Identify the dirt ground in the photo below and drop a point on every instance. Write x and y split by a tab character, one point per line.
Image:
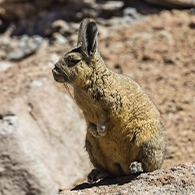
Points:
158	53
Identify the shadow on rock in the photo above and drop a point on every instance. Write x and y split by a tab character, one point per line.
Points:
107	181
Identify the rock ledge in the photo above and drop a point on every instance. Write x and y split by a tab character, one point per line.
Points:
175	180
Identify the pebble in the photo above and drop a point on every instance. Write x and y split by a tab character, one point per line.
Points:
8	124
5	65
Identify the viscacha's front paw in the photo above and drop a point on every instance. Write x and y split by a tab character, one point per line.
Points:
101	129
97	130
96	174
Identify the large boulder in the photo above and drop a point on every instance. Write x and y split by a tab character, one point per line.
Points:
41	135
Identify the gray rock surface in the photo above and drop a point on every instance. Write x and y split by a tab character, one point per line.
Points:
178	180
41	145
17	48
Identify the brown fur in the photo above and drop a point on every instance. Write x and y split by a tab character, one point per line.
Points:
123	125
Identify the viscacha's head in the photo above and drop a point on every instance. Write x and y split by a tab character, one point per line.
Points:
76	66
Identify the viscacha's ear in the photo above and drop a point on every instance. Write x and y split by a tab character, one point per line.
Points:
82	29
88	37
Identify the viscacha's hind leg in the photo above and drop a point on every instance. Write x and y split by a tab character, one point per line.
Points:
152	153
136	167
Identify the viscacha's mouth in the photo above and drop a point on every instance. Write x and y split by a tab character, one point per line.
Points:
59	75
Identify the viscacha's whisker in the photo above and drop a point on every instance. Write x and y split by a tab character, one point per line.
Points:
80	92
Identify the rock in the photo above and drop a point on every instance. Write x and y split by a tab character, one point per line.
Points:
175	180
15	9
59	39
173	3
112	6
8	123
37	17
130	12
25	46
131	15
62	27
17	48
41	145
5	65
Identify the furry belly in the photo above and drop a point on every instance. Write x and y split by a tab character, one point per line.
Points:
111	153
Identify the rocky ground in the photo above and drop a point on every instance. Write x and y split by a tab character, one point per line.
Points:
156	50
176	180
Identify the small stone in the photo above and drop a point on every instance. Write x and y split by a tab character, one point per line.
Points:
4	65
8	124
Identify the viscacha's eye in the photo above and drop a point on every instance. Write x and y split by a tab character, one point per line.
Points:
72	61
75	61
